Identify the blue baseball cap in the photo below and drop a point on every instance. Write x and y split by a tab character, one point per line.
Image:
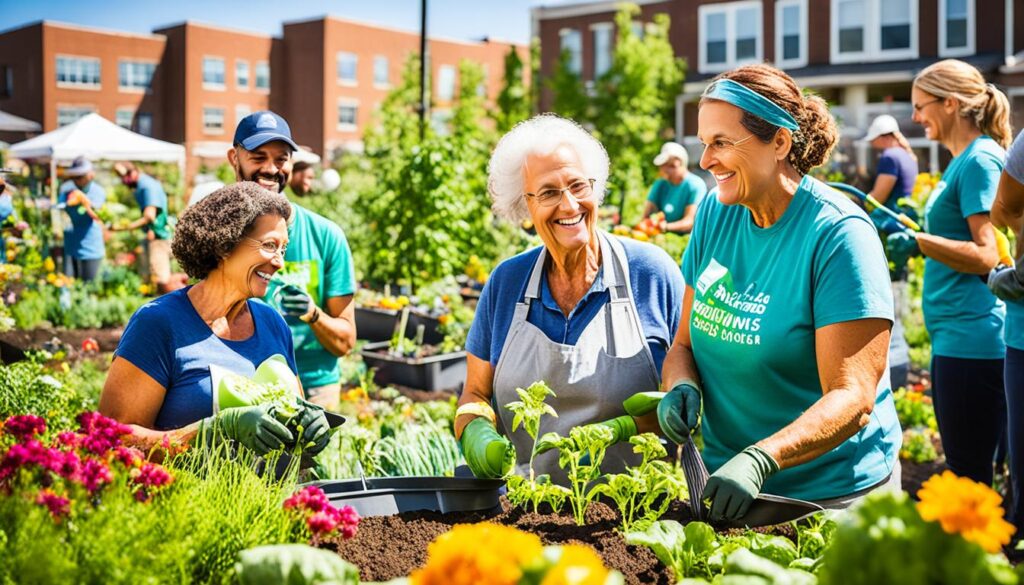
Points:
259	128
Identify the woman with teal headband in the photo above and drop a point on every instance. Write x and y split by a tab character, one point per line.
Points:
788	308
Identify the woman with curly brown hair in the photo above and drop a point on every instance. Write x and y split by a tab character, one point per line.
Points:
787	310
232	242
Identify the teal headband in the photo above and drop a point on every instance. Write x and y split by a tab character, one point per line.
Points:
752	102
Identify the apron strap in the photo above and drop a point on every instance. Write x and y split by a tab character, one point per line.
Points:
533	287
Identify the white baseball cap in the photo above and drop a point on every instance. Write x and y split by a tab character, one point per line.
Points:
671	150
880	126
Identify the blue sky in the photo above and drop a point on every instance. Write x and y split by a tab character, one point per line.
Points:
460	19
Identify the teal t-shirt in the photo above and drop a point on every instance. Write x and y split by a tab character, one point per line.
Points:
318	260
83	240
760	294
963	318
1015	310
674	199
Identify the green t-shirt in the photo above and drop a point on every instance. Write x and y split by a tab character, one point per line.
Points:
963	318
760	294
318	260
674	199
150	193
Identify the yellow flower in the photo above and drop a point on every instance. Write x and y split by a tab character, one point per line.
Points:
577	565
51	278
478	553
48	265
965	507
357	394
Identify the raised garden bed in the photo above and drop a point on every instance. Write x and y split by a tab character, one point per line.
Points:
431	372
373	324
14	344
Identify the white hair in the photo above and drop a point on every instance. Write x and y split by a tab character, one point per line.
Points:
539	135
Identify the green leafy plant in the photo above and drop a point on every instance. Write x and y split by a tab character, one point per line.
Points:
915	409
683	549
524	492
581	454
918	445
528	411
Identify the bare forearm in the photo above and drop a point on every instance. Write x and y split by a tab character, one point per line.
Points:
962	256
649	208
679	366
150	441
336	334
469	396
683	226
834	418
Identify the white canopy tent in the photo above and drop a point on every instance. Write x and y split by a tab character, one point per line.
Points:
12	123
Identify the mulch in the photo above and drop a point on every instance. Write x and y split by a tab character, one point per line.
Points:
14	344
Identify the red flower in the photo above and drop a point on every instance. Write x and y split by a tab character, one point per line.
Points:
59	506
24	426
90	345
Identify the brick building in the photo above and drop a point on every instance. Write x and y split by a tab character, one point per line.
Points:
860	55
190	83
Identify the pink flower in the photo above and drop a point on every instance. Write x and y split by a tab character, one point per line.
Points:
101	433
64	463
321	517
130	457
94	475
25	426
68	439
59	506
309	498
26	454
153	475
321	523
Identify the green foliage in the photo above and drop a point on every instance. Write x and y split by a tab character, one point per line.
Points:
569	97
915	409
525	492
684	550
513	103
918	445
581	454
28	387
528	411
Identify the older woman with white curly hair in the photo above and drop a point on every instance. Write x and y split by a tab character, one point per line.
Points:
588	313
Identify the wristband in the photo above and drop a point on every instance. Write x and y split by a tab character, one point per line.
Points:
477	408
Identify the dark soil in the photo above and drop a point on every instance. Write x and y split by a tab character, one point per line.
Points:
388	547
13	344
915	474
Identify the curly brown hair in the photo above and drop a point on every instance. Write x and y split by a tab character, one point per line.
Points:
211	229
817	136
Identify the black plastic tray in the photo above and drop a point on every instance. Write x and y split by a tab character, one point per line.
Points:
437	372
379	325
385	496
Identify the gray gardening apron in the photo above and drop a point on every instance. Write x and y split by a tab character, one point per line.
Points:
610	362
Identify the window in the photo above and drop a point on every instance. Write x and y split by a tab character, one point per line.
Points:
6	81
730	35
135	75
78	72
381	77
572	41
348	111
603	47
144	123
637	28
241	111
124	117
440	121
347	65
263	75
213	73
69	114
956	28
791	33
874	30
445	83
242	74
213	120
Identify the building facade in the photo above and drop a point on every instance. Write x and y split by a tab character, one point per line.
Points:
860	55
190	83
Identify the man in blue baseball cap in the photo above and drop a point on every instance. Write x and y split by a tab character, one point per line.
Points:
314	289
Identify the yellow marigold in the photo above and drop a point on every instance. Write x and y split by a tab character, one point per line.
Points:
48	265
965	507
470	554
577	565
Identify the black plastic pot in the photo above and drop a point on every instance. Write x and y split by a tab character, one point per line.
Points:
375	324
431	335
433	373
384	496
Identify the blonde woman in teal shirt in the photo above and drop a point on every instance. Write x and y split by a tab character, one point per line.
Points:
964	320
786	314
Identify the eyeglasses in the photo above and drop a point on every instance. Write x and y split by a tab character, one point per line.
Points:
580	189
270	247
919	107
719	145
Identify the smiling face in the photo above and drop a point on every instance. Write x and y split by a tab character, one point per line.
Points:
743	166
673	171
567	225
248	267
936	115
268	165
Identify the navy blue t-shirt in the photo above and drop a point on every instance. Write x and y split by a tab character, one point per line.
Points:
657	292
898	162
168	340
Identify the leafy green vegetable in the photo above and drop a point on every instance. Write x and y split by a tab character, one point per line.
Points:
644	493
684	550
581	454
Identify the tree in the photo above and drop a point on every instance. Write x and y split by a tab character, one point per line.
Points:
514	100
569	96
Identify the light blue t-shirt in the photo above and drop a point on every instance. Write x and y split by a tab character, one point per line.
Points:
319	261
7	215
1015	309
657	292
150	193
760	294
674	199
963	318
84	241
168	340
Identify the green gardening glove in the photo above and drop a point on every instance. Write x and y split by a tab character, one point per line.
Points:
488	454
295	302
623	428
315	428
734	486
679	412
900	247
255	427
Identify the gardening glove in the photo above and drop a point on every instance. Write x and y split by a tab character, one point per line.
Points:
295	302
900	247
488	454
315	428
885	223
255	427
1007	283
623	427
679	412
734	486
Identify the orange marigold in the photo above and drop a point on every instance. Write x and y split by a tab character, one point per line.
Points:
478	553
965	507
